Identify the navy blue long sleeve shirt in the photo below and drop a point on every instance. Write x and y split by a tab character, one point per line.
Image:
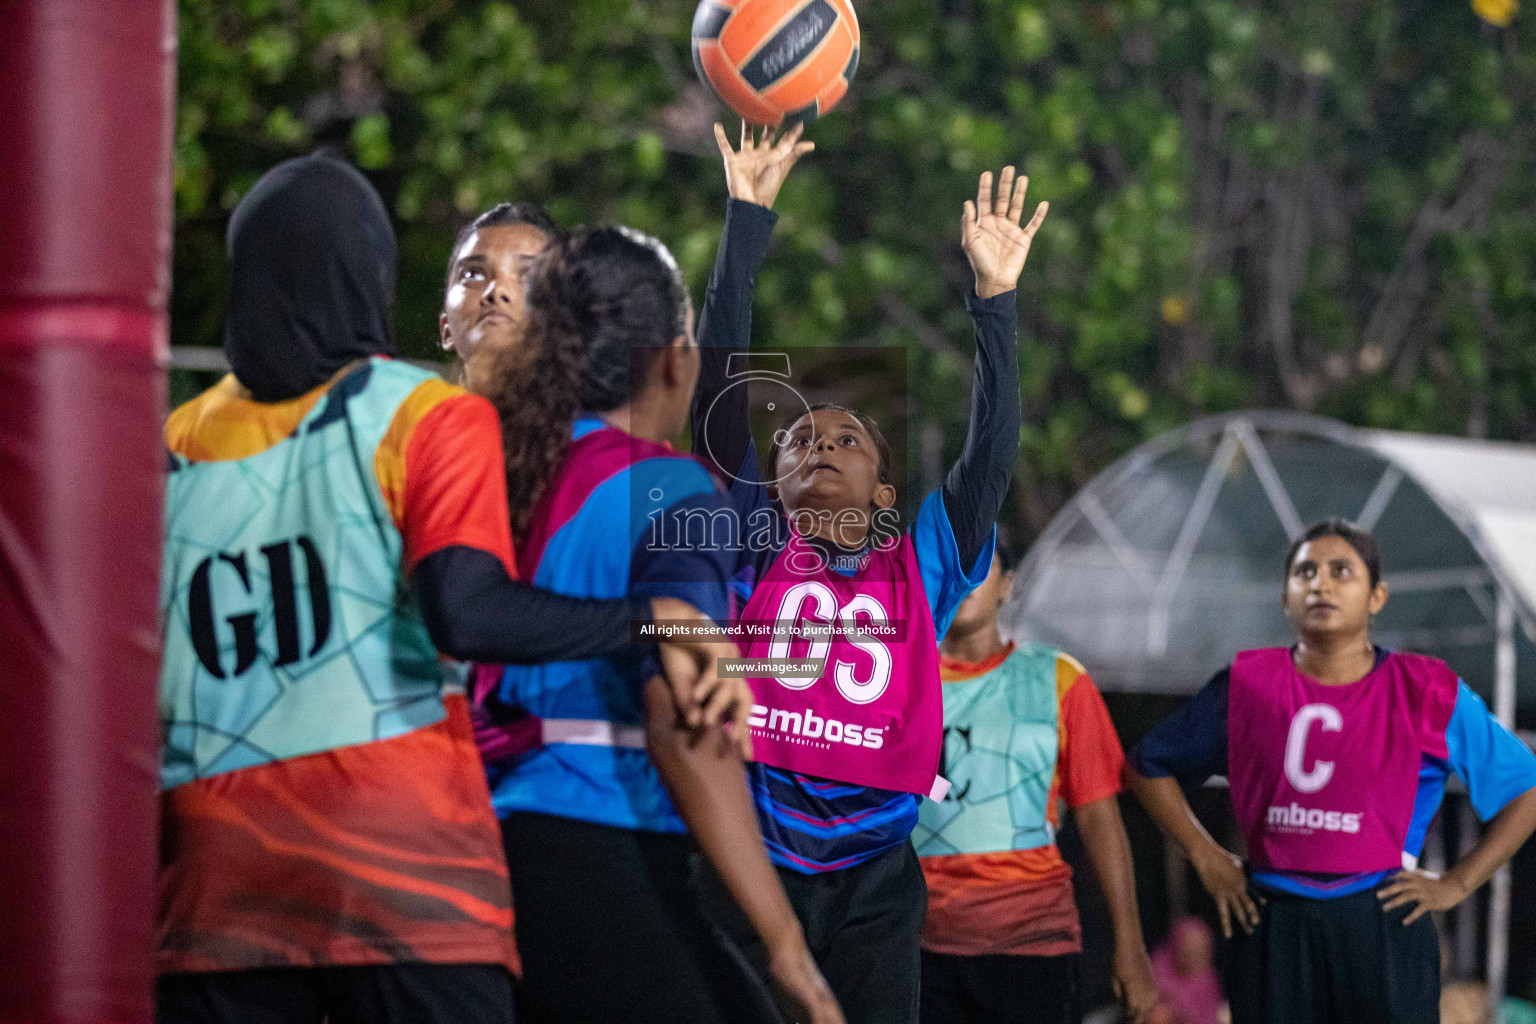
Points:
811	824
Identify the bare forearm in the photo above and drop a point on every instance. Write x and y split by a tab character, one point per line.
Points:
1508	831
707	781
1164	801
1110	853
1221	872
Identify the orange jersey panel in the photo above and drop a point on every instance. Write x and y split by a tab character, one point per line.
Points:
439	466
389	457
1091	760
441	469
1014	902
385	852
224	423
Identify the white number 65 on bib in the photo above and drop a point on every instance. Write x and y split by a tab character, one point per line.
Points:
858	691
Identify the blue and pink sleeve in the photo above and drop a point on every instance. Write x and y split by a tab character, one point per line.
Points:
1494	763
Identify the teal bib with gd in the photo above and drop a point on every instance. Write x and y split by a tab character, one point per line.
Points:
288	627
1000	747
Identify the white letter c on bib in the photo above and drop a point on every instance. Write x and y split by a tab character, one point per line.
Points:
1296	747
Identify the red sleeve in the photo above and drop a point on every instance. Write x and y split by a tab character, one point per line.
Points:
455	482
1092	758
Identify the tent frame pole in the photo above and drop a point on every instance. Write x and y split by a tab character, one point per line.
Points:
1504	711
1467	833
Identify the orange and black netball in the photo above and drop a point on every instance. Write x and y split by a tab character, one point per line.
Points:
776	61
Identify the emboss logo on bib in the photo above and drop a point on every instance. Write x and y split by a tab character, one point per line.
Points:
1295	818
807	726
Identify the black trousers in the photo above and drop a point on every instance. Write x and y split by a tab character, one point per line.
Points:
1334	961
863	925
610	930
391	994
1002	989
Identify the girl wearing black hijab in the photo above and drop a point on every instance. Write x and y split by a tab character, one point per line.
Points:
336	520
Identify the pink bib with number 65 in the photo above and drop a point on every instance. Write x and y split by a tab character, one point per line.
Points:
874	716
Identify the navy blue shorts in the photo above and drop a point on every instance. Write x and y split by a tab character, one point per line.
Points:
1334	961
862	924
611	932
1002	989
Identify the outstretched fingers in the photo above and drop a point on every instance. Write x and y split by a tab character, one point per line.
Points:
791	147
1004	191
1036	220
723	141
1008	202
1016	202
786	142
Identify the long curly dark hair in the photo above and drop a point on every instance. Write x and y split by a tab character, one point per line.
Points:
601	306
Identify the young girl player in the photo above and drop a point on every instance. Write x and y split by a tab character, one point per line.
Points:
844	758
596	817
1025	733
335	519
1337	752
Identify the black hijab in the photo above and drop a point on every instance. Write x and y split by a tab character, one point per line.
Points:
313	263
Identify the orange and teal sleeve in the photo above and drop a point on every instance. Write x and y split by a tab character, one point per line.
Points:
441	469
1091	758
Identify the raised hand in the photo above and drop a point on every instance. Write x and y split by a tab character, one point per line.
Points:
755	172
994	242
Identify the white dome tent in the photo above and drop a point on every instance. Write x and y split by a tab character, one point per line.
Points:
1169	562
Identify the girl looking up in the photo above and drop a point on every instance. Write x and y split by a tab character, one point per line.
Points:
594	816
1337	752
843	757
334	521
485	300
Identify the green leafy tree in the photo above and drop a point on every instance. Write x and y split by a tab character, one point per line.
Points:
1316	204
